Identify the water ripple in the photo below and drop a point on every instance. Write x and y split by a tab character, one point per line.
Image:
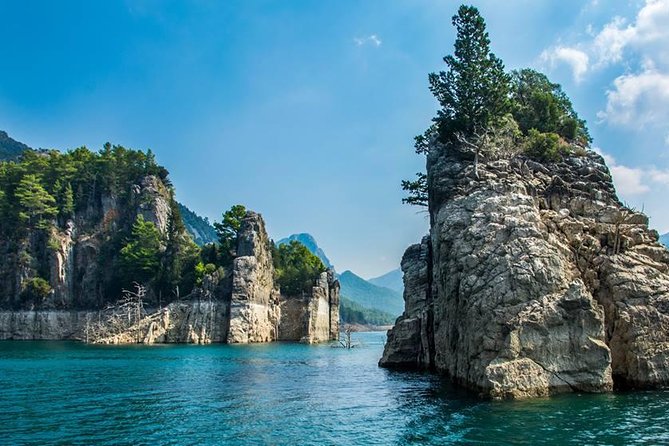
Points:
283	394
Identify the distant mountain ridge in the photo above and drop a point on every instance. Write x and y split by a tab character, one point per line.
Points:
391	279
10	149
310	242
369	295
199	228
380	303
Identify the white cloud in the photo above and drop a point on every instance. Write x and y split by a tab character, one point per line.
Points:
608	45
373	40
575	58
646	37
638	99
634	181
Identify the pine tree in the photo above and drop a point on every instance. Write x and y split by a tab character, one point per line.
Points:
473	93
36	205
140	256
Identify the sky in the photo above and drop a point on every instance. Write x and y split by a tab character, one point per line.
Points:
305	111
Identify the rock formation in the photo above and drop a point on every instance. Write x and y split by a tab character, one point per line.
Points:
243	306
534	280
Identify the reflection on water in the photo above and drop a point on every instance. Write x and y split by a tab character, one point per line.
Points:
283	394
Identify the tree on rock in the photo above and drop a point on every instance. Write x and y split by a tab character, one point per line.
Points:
140	256
474	91
227	231
36	205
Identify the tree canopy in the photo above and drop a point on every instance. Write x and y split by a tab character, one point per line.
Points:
227	231
494	114
296	268
474	91
140	256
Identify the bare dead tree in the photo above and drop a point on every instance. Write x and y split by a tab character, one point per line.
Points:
346	342
120	317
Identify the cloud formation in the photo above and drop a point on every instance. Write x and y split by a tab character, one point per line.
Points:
372	40
575	58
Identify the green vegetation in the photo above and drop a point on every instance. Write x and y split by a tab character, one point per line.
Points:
541	105
474	92
494	114
353	313
296	268
34	204
35	290
545	147
227	231
42	190
140	257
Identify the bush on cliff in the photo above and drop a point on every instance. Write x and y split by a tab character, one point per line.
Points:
542	105
545	147
35	290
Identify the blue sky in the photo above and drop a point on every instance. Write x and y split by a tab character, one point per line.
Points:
306	110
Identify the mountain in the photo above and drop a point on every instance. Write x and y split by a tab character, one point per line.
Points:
664	239
392	280
353	313
308	241
199	228
10	149
369	295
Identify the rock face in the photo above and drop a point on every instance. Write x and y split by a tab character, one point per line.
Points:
534	280
243	306
314	317
254	305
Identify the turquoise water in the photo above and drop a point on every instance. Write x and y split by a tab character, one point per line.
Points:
283	394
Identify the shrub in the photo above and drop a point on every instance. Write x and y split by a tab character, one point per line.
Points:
545	147
35	290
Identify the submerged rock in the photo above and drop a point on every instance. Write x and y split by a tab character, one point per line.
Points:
534	280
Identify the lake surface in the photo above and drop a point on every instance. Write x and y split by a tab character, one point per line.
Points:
283	394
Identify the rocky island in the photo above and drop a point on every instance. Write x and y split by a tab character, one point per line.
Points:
534	279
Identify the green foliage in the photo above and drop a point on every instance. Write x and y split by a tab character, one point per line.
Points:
296	268
35	290
140	257
44	184
353	313
202	270
227	231
177	274
473	92
542	105
416	190
545	147
35	204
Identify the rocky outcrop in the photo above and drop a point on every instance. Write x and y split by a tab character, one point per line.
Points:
43	325
312	317
254	304
535	280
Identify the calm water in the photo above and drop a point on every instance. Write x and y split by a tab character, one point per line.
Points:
283	394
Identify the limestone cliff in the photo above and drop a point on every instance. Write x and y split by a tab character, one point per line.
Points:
534	280
254	304
242	306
